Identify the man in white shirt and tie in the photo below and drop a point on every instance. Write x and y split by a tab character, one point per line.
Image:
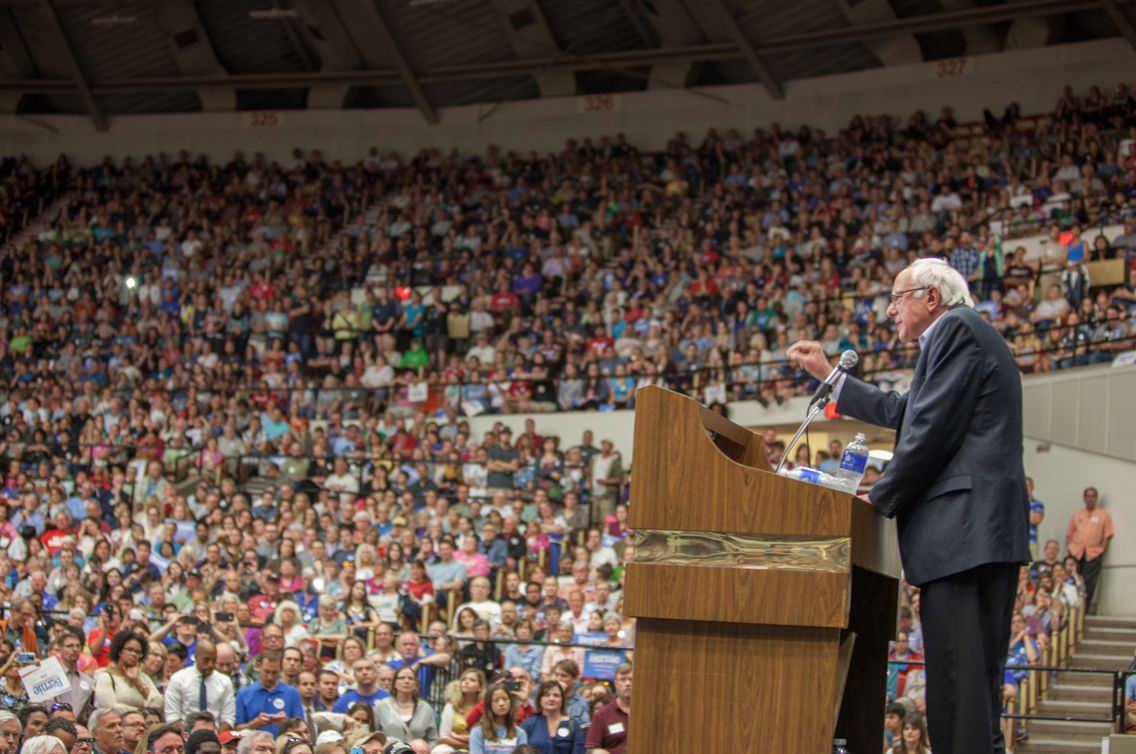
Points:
197	688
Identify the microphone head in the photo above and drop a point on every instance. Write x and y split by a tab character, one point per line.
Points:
849	359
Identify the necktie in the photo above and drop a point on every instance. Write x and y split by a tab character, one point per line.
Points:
202	697
311	723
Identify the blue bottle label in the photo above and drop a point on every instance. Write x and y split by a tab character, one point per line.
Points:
812	476
854	462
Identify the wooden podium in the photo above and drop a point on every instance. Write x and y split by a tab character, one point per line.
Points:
764	605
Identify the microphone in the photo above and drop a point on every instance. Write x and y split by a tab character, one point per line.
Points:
848	359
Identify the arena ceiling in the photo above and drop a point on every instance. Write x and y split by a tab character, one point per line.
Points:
114	57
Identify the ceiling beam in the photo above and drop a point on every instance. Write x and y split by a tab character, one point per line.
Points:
738	35
15	59
439	75
294	40
192	49
637	22
391	41
1121	21
72	63
534	38
918	24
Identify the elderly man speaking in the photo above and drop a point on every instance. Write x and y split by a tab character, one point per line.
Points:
957	489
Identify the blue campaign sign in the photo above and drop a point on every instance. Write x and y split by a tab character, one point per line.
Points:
601	663
590	639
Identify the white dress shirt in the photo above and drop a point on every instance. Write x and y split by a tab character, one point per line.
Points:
184	692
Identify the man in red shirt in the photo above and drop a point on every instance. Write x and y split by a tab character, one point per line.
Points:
608	731
1087	538
53	538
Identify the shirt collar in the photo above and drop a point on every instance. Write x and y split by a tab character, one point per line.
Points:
926	336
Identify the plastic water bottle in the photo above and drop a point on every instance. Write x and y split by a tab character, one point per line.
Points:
839	746
852	464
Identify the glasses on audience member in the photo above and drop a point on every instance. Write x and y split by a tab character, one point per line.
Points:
56	706
88	742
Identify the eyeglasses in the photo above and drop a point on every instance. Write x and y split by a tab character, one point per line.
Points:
132	650
895	297
85	742
55	707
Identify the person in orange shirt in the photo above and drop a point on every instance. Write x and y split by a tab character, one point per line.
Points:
1087	538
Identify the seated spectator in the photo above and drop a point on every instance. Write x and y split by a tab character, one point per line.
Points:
551	730
461	697
498	731
403	715
608	730
366	686
481	654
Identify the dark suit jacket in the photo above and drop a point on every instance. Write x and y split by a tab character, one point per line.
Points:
956	485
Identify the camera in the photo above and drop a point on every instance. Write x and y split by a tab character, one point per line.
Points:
223	617
25	658
512	686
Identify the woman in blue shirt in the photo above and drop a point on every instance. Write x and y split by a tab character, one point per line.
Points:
497	732
551	731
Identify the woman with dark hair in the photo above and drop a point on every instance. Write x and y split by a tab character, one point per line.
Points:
914	739
13	695
123	683
357	611
363	714
550	730
33	719
497	732
403	715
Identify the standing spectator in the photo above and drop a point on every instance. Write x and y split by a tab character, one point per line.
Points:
67	648
122	683
606	472
267	702
504	461
1087	538
1036	516
608	730
199	689
405	715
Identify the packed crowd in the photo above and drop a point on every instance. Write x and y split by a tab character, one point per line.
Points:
237	477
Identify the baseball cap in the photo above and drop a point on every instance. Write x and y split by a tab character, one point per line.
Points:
398	747
229	736
329	737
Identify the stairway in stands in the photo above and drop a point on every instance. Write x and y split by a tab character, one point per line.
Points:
1109	643
42	222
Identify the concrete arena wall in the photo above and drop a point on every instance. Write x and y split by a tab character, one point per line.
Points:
1032	77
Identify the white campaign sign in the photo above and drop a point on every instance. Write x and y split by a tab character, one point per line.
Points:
45	681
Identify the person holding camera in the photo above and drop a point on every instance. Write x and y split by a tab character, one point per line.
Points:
99	640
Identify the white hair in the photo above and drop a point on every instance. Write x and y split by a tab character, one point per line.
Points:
42	745
244	746
931	272
97	716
